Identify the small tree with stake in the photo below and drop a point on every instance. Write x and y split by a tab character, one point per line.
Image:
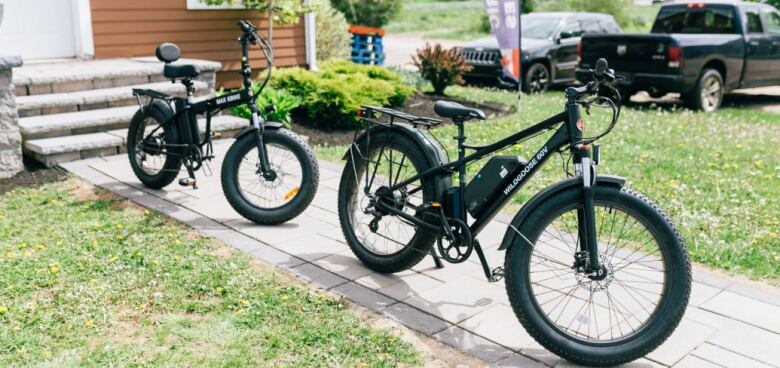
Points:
442	67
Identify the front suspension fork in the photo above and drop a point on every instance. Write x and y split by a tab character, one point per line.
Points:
586	217
262	154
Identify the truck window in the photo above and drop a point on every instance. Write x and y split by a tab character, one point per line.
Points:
773	22
705	19
753	22
590	26
573	28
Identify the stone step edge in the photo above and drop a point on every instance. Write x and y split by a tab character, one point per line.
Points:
132	67
63	122
94	96
111	142
114	138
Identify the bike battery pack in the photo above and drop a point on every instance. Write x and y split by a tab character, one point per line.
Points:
493	176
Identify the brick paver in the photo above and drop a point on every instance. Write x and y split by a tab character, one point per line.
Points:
729	323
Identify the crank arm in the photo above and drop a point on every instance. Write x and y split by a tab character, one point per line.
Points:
417	222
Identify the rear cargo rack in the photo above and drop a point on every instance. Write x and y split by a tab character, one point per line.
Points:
375	114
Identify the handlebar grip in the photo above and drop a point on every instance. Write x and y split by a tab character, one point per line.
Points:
601	68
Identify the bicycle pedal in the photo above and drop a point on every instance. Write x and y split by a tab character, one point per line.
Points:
188	182
216	135
497	274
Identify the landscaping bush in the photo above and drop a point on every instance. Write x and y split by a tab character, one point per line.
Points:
284	102
333	37
442	67
331	98
372	13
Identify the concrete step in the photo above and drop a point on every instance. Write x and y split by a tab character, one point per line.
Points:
52	151
90	121
37	78
57	103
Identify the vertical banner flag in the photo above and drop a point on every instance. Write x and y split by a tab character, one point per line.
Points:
504	17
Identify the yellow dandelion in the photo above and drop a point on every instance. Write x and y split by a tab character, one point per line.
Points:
244	302
54	269
177	242
89	323
285	298
17	328
146	212
213	254
40	247
10	255
218	289
154	261
22	350
3	309
113	259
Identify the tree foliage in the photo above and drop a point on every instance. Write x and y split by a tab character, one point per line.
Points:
372	13
284	11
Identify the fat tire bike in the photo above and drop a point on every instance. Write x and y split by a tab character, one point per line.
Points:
595	272
269	174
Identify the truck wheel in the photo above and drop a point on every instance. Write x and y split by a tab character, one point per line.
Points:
707	95
537	79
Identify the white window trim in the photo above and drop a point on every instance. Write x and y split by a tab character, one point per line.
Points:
197	5
82	29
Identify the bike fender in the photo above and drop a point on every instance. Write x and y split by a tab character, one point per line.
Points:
268	125
434	152
167	113
552	190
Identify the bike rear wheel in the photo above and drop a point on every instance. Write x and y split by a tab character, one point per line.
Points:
154	160
385	242
599	320
264	201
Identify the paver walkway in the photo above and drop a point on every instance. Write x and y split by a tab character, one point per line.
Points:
728	323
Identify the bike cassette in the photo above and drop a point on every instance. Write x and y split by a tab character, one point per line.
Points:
460	242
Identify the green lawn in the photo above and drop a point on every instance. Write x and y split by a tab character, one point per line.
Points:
717	175
87	279
463	20
457	20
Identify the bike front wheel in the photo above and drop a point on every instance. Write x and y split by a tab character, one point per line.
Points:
605	319
264	200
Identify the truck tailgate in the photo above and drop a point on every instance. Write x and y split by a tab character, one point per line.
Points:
627	53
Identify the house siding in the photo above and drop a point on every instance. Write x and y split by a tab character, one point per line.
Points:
135	28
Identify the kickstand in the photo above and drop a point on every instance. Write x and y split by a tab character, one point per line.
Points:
436	259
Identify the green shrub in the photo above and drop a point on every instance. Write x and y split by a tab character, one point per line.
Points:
331	98
333	38
283	101
442	67
372	13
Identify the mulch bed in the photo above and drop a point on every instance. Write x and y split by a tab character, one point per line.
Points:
33	175
419	105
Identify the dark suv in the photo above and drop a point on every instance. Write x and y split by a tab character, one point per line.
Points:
548	48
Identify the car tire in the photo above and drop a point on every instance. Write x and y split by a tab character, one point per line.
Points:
537	78
708	93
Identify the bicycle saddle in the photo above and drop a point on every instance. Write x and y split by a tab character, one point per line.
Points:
168	52
456	111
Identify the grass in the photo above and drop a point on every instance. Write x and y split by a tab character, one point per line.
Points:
717	175
463	20
90	280
456	20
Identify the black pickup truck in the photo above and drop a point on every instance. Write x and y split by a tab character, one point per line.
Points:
698	49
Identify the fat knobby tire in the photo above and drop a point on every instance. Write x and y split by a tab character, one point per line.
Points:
172	164
655	331
421	242
263	216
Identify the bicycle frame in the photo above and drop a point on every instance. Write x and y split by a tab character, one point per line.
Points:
568	134
186	112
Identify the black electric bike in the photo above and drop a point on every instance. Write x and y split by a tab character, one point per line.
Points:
595	272
269	174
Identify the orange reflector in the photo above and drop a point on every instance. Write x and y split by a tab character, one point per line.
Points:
291	193
435	204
